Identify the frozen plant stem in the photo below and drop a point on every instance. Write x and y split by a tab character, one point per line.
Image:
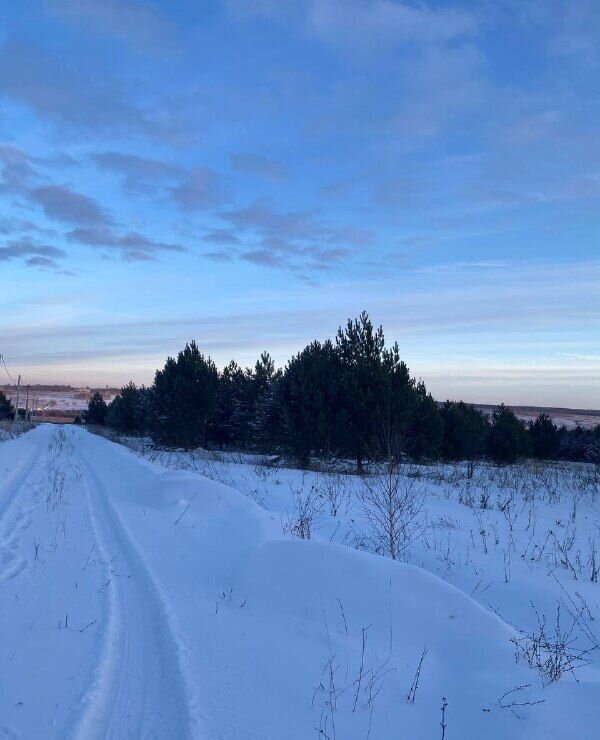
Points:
412	692
180	517
443	720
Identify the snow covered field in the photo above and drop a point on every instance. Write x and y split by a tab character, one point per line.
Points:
141	596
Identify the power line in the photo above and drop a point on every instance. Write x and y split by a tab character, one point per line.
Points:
18	382
4	363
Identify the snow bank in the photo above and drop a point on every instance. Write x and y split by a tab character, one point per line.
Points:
260	617
211	624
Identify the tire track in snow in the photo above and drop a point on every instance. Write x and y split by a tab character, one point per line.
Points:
9	488
11	564
140	691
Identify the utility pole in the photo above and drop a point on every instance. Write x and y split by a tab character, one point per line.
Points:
17	403
27	404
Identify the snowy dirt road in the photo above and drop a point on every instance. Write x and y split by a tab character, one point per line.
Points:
140	691
137	602
117	674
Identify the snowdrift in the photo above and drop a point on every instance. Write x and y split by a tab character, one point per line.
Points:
263	637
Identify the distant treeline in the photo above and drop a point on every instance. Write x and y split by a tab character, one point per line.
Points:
352	397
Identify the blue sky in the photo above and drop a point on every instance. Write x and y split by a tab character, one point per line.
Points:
251	173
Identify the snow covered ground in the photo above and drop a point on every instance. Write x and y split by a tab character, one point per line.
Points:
147	599
11	429
44	398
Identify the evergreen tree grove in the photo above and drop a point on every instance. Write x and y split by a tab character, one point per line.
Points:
352	397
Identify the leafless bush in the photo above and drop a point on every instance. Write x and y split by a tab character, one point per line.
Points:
266	465
466	496
563	541
391	504
483	533
13	429
332	487
510	512
138	445
359	685
211	468
445	522
107	433
559	650
252	488
307	507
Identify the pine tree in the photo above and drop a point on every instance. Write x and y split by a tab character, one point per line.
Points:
143	409
508	439
127	411
96	410
360	349
6	406
184	398
225	428
426	428
264	372
394	409
266	424
544	437
254	385
311	400
465	431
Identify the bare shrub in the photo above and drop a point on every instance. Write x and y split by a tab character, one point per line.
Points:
391	503
558	650
564	539
307	507
352	689
13	429
332	487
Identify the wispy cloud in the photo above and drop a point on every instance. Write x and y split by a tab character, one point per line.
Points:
32	254
133	246
16	169
140	174
65	205
259	165
139	24
300	241
64	94
221	236
200	189
361	22
358	22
